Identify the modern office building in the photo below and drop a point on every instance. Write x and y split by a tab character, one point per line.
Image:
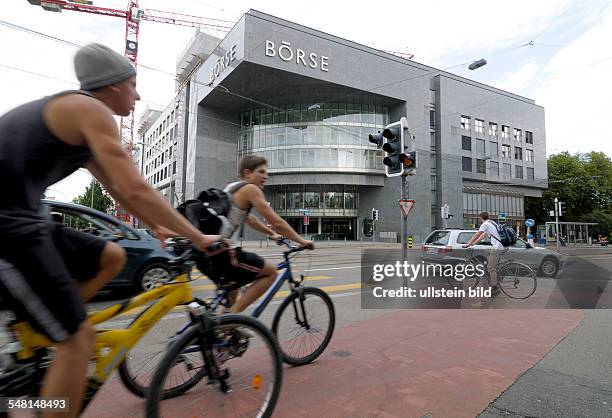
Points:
307	100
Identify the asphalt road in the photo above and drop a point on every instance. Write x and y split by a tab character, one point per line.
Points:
566	374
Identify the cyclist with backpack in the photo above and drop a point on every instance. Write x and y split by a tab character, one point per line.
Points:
230	267
501	237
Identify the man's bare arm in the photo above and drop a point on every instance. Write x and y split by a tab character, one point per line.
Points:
258	200
257	225
102	136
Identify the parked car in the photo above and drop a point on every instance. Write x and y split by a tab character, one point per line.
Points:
146	266
445	246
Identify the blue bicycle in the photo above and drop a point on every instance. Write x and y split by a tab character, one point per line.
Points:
303	325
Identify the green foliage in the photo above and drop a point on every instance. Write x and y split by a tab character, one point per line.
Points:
583	182
101	200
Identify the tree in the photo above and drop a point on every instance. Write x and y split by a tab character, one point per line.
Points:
583	182
101	200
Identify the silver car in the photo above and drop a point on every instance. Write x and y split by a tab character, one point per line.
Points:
445	246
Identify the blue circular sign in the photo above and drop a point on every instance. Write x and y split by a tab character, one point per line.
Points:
529	222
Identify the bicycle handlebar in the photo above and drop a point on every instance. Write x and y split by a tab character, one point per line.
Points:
292	248
183	262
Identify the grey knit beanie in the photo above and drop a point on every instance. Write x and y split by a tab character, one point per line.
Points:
97	66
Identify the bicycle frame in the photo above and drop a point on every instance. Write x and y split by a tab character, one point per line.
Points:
111	346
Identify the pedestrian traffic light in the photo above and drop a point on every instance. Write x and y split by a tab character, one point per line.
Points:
394	146
376	139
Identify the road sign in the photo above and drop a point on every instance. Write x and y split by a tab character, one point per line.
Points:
406	205
529	222
306	220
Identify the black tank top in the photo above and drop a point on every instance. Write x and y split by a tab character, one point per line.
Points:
32	159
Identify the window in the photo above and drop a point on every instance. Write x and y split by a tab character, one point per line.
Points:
518	171
528	155
481	166
494	169
518	153
466	143
466	162
505	151
464	237
432	119
507	170
528	137
517	135
465	122
480	146
529	173
438	238
479	126
493	129
505	131
493	151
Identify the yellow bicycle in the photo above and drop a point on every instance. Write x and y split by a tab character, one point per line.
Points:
218	338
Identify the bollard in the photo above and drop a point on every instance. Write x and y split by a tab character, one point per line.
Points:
345	241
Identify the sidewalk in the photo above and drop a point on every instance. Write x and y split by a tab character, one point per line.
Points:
265	243
411	363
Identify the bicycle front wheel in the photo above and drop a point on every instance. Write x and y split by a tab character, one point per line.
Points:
304	325
517	280
249	362
138	367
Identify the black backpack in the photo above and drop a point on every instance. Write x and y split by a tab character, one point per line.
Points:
209	211
506	234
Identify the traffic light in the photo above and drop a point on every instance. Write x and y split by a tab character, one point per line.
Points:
374	214
409	160
376	139
561	208
393	135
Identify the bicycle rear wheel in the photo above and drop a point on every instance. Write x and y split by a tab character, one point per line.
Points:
304	326
245	351
517	280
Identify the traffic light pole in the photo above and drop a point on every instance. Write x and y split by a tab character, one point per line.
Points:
404	219
558	233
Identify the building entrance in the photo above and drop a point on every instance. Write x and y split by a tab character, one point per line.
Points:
325	228
338	228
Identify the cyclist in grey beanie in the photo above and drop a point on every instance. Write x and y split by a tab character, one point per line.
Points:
97	66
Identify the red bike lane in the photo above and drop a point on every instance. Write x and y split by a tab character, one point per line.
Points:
411	363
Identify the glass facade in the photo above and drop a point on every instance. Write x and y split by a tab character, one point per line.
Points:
474	203
326	196
327	136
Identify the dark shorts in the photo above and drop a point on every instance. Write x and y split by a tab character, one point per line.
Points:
232	268
39	274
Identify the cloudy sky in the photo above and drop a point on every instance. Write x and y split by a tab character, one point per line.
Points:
553	51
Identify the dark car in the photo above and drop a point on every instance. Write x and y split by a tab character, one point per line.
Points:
146	265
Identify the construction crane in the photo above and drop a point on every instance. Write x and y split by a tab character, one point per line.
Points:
133	15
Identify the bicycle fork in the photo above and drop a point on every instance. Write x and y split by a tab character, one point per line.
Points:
200	316
299	305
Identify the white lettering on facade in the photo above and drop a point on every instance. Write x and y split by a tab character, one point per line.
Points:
286	53
223	63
